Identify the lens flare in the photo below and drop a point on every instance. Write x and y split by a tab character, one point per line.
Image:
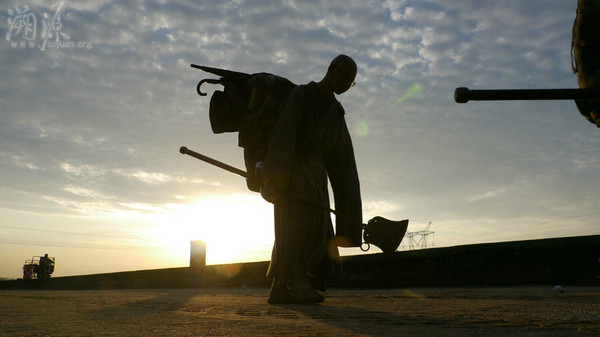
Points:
228	270
412	294
414	90
361	128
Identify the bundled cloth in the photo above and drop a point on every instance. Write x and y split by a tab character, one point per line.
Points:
585	55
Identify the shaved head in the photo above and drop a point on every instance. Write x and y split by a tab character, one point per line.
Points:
346	64
340	75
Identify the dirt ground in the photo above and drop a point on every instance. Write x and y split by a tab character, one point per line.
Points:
510	311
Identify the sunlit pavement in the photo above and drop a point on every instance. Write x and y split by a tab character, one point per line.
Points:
512	311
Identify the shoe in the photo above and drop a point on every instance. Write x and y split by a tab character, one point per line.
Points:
317	283
280	294
306	295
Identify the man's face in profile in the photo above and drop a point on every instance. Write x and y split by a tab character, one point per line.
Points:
343	79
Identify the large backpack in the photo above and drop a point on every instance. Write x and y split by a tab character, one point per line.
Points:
250	104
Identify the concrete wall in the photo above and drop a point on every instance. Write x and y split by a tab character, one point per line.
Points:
574	260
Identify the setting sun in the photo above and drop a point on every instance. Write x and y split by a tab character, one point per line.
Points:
236	228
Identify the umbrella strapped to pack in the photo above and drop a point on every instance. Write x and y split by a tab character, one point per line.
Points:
250	105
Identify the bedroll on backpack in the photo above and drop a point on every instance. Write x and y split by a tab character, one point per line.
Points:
585	55
249	104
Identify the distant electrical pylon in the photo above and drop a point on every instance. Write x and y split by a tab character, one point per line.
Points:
418	239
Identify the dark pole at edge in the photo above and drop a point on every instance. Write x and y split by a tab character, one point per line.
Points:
463	95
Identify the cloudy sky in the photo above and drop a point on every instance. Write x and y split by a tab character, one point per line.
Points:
98	96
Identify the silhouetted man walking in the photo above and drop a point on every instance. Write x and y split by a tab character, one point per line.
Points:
310	144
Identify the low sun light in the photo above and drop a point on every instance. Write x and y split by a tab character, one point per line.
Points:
236	228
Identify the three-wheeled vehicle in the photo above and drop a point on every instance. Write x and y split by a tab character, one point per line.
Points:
40	267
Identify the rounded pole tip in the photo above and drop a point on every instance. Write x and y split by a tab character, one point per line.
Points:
461	95
183	149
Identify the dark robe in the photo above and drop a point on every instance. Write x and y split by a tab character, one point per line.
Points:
310	143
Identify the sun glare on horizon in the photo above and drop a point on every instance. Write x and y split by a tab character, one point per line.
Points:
236	228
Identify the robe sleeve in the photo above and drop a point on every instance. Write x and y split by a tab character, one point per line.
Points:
343	175
277	167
